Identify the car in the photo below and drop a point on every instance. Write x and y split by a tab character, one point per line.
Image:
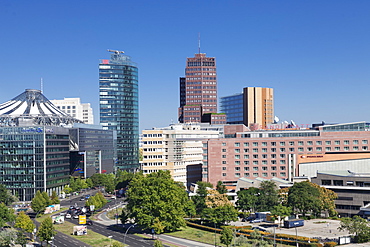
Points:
62	213
75	216
68	216
256	221
259	229
89	222
82	199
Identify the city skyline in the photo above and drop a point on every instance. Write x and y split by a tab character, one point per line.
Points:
314	54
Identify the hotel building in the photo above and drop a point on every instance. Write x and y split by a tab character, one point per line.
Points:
76	109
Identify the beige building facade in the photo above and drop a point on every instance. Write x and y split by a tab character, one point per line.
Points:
76	109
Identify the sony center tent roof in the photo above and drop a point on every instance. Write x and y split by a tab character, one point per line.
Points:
33	108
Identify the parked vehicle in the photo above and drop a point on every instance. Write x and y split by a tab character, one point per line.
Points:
293	223
89	222
257	221
68	216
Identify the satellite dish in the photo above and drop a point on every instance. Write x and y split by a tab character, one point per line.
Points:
276	119
292	123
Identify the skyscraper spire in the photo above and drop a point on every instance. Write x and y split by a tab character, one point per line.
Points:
199	43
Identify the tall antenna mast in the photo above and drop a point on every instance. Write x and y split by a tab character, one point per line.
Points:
42	85
199	43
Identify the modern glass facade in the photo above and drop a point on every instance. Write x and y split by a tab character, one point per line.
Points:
34	158
232	106
118	84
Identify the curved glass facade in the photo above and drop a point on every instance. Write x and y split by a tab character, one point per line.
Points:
118	84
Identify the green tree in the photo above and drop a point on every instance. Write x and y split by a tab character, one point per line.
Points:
46	230
6	214
6	196
24	222
67	189
158	243
8	237
157	195
327	198
38	203
54	198
200	198
221	188
357	226
226	236
89	183
268	197
304	198
123	178
47	201
221	214
281	212
247	199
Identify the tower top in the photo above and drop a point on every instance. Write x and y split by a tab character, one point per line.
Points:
116	51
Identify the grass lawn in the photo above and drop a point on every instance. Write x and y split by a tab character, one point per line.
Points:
197	235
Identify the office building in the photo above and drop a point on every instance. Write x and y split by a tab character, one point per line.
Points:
198	90
285	153
118	86
76	109
34	145
177	148
255	106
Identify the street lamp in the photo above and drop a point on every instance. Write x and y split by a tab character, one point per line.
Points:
124	239
296	236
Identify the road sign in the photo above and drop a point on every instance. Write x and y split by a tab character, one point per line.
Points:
82	219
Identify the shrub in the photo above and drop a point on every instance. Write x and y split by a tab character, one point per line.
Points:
330	244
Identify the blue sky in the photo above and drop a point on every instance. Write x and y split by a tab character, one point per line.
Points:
315	54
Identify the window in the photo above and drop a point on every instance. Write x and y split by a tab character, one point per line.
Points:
291	143
255	168
237	168
224	168
364	141
337	148
282	174
325	182
300	149
319	149
338	182
223	144
273	174
246	150
328	142
346	142
355	142
246	156
318	142
273	149
364	148
264	168
246	162
264	156
273	168
346	148
337	142
282	168
264	150
291	149
237	156
282	162
264	174
237	162
282	149
264	162
246	168
246	174
300	143
224	156
246	144
255	150
255	156
255	174
273	161
224	174
255	162
282	156
255	144
309	149
224	150
264	144
282	143
224	162
273	143
237	144
237	150
355	148
273	156
328	149
309	143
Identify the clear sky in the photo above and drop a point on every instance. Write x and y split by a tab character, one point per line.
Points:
315	54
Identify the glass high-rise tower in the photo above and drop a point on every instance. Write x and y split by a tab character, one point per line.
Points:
119	106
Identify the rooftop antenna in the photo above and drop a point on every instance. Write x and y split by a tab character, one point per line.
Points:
199	43
42	85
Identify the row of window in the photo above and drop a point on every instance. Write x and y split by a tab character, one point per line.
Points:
300	143
256	168
300	149
256	162
256	174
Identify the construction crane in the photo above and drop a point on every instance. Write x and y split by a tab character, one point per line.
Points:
116	51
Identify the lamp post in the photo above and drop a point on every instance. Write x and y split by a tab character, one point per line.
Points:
124	239
215	232
296	236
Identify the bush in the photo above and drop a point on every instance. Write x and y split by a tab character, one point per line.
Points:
330	244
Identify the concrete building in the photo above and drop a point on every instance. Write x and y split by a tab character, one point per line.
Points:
177	148
198	90
254	106
119	106
277	153
76	109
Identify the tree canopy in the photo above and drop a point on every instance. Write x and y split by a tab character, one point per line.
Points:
247	199
357	226
24	222
157	200
268	196
46	230
6	196
6	214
